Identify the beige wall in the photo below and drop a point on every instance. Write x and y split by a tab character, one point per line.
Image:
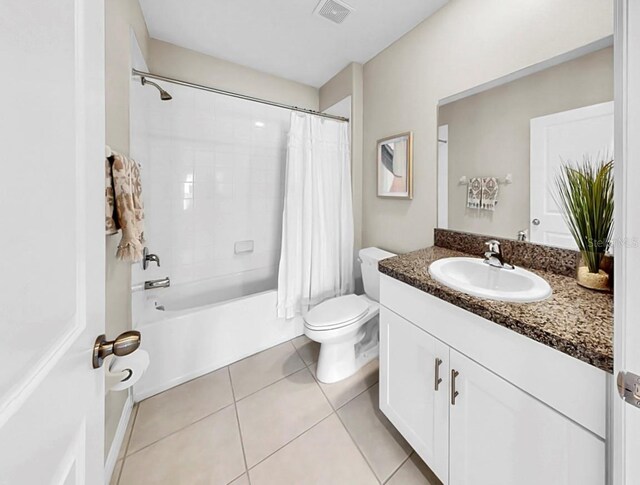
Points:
348	82
121	16
188	65
464	44
489	135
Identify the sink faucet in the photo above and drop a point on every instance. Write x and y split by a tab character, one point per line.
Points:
493	255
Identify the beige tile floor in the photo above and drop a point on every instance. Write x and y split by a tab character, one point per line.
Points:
266	420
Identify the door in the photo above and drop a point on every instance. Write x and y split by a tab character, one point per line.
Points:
410	362
52	246
626	417
566	136
500	435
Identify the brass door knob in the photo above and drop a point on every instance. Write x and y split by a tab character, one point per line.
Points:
124	344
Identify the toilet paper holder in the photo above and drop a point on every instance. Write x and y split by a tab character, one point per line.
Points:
124	344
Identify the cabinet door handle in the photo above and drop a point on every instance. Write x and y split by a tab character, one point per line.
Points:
438	379
454	393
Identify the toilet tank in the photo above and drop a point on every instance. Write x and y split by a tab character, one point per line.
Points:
369	258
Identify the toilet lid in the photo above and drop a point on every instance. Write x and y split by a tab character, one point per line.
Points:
340	310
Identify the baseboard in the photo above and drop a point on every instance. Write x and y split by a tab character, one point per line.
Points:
118	439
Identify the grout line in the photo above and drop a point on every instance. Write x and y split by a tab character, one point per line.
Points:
272	383
292	440
335	411
346	402
358	447
235	406
178	430
399	466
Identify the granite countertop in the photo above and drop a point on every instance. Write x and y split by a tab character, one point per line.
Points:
574	320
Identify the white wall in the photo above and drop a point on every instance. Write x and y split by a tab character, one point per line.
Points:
464	44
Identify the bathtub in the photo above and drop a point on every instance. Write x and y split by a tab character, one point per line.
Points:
195	328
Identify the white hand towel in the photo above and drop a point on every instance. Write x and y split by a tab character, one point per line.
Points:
489	193
474	193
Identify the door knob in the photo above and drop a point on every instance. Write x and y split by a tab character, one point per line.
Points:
535	222
124	344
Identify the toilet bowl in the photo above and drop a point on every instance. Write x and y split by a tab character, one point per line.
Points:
346	327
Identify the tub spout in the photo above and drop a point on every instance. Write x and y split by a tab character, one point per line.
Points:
161	283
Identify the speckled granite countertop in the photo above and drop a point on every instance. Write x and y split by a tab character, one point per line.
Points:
574	320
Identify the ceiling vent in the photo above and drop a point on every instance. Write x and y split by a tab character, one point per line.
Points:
333	10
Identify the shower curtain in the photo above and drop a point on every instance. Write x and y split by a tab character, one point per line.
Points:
316	259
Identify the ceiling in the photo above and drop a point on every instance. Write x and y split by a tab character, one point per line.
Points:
284	37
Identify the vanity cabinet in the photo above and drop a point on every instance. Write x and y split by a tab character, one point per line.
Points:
522	413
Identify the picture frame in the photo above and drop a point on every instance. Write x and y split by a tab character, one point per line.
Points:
395	166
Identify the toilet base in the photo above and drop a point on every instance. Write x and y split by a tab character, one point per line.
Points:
341	359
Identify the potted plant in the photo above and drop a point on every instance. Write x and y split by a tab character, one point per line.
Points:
584	193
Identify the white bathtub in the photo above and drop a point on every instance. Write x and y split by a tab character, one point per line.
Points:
205	326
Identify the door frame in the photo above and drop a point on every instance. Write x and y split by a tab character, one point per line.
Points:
627	241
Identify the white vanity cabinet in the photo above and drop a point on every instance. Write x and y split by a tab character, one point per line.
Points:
524	413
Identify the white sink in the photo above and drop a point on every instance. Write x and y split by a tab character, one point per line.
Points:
476	278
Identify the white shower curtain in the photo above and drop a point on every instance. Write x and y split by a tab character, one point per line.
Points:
316	260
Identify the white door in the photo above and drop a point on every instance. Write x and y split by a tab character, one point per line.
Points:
52	244
501	435
566	136
626	417
410	361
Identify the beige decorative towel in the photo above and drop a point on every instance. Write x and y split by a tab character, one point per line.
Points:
474	193
489	193
124	207
110	225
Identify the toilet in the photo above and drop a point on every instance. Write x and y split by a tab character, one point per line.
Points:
346	327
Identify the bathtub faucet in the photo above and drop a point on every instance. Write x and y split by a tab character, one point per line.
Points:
161	283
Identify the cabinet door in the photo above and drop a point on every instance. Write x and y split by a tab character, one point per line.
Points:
501	435
408	395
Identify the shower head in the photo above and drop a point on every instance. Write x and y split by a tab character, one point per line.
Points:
164	96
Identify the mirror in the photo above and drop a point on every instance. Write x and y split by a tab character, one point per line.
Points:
395	166
500	145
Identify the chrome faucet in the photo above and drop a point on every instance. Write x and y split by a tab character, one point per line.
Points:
148	258
161	283
493	255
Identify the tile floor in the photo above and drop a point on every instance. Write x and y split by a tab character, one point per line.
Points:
266	420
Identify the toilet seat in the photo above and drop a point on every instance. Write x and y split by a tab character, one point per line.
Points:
337	312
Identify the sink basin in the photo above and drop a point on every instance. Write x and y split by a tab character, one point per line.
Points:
476	278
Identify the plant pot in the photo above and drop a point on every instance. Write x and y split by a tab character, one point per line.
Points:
600	281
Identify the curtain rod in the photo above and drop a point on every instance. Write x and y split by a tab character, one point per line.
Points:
143	74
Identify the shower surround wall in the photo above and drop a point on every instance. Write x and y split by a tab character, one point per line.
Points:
213	174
